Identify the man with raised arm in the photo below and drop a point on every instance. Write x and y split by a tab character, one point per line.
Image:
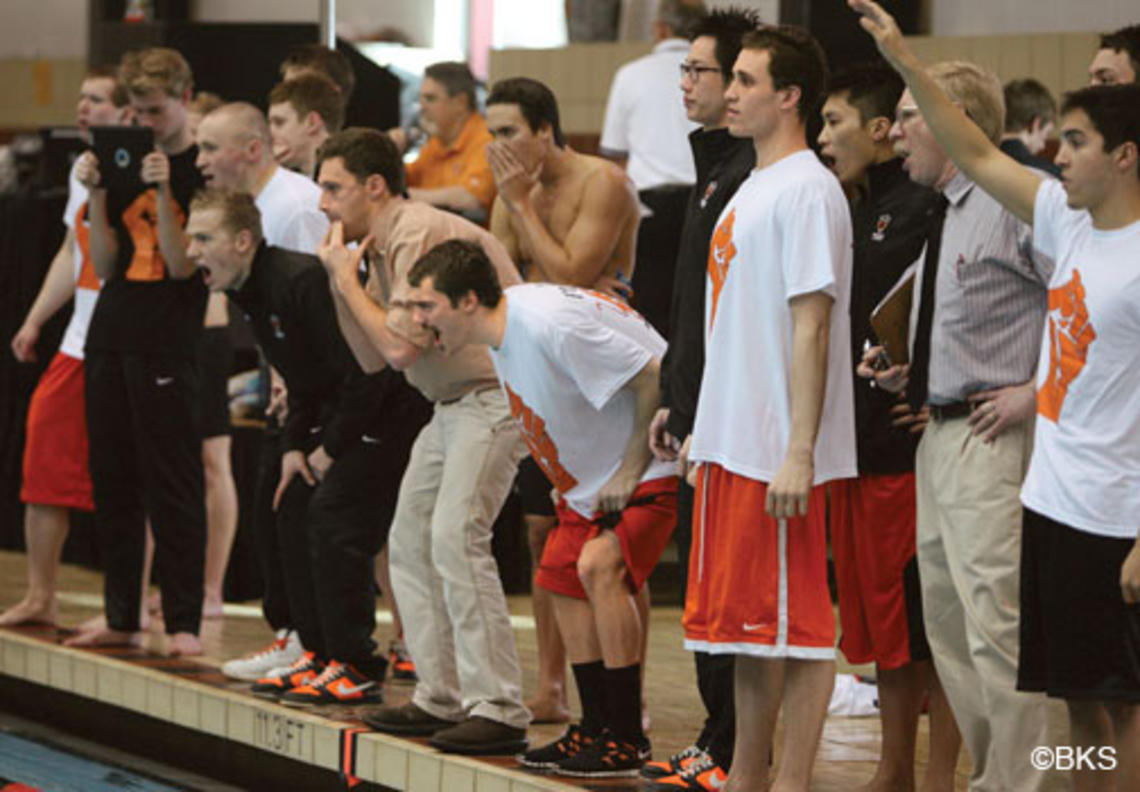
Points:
1080	555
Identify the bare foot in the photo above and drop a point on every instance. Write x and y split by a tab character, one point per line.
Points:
548	709
27	611
105	637
183	644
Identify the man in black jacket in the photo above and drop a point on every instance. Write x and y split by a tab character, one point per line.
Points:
873	516
347	439
723	163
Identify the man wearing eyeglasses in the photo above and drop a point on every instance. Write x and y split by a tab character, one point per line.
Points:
646	128
722	162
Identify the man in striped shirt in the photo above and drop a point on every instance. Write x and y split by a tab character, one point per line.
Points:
980	302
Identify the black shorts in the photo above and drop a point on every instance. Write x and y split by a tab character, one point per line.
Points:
1078	638
215	362
533	488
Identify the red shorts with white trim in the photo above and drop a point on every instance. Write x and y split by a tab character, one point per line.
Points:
757	585
873	546
55	454
643	531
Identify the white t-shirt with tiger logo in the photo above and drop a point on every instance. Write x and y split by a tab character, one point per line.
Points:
786	232
1085	468
564	360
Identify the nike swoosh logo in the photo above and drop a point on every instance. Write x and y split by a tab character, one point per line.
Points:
352	690
753	627
370	439
160	381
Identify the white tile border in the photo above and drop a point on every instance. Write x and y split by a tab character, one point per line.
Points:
302	736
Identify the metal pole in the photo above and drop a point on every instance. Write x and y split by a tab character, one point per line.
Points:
328	23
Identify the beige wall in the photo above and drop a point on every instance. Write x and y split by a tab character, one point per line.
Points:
36	93
989	17
580	74
1059	60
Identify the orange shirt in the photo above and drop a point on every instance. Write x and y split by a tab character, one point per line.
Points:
462	164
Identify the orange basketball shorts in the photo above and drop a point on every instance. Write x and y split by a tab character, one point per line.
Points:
757	585
643	532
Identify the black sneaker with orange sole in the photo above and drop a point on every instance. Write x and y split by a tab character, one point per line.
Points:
607	757
549	756
339	683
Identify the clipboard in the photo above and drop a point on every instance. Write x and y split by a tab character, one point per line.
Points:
890	319
120	150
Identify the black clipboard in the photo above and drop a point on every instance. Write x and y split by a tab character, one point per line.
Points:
120	150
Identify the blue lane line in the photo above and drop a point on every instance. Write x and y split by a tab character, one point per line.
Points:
53	770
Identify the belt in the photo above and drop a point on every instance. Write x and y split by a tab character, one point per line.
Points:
944	412
445	402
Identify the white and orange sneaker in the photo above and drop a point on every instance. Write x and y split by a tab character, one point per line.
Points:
283	652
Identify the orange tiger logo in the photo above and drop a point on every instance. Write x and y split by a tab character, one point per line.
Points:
721	253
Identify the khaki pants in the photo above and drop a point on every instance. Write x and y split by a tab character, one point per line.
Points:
969	557
444	577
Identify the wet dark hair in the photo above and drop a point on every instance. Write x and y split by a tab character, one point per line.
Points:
536	103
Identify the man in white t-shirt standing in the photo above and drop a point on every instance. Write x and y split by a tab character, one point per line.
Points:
580	370
1080	576
775	416
55	475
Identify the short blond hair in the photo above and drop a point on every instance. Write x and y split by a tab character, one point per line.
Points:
978	91
239	212
156	69
205	102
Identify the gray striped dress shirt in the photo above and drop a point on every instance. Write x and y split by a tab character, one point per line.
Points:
990	300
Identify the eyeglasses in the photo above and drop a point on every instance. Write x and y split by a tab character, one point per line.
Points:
694	72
